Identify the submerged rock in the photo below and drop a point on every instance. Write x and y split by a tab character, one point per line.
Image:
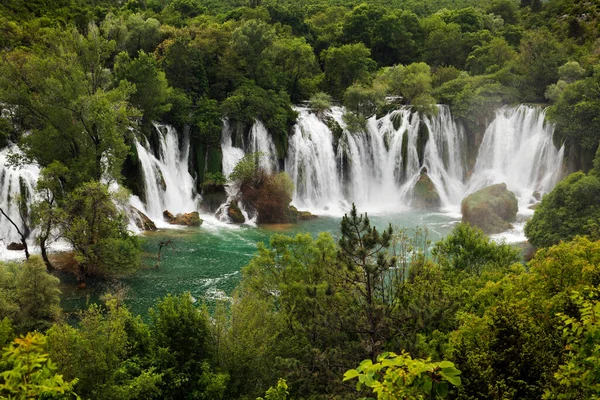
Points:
296	215
16	246
142	221
425	195
492	209
186	219
234	213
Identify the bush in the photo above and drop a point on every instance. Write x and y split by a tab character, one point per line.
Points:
571	209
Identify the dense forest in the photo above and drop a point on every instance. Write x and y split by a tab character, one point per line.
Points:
379	313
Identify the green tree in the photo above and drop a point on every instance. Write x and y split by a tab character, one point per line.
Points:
63	91
110	353
490	57
468	249
182	333
32	373
98	232
571	209
46	212
30	297
346	65
152	90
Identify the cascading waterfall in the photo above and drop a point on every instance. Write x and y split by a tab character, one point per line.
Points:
311	163
15	183
517	149
168	184
377	168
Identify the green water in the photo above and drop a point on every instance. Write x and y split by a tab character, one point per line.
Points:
206	261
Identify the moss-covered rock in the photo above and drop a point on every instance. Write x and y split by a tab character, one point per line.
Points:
425	195
234	213
492	209
186	219
296	215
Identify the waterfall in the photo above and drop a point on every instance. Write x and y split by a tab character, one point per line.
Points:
15	183
517	149
378	167
168	184
311	163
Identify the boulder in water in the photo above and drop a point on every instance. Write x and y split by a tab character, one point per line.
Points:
296	215
142	221
234	213
492	209
425	195
16	246
187	219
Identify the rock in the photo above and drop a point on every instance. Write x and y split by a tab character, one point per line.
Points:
492	209
533	206
142	221
212	198
536	195
296	215
305	216
425	195
186	219
16	246
168	216
234	213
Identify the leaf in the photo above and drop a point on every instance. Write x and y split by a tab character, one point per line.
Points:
442	389
351	374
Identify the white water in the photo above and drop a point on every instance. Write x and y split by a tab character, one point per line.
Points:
11	180
517	149
369	168
167	182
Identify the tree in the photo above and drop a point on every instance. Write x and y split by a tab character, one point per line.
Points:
468	249
365	261
30	296
46	212
183	334
490	57
398	38
184	66
110	353
32	374
296	61
578	376
250	42
571	209
346	65
152	90
98	232
74	116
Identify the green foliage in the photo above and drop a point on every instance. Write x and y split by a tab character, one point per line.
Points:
320	102
412	82
468	249
32	374
279	392
571	209
98	232
29	295
346	65
250	102
574	114
578	377
101	353
363	101
396	376
151	88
